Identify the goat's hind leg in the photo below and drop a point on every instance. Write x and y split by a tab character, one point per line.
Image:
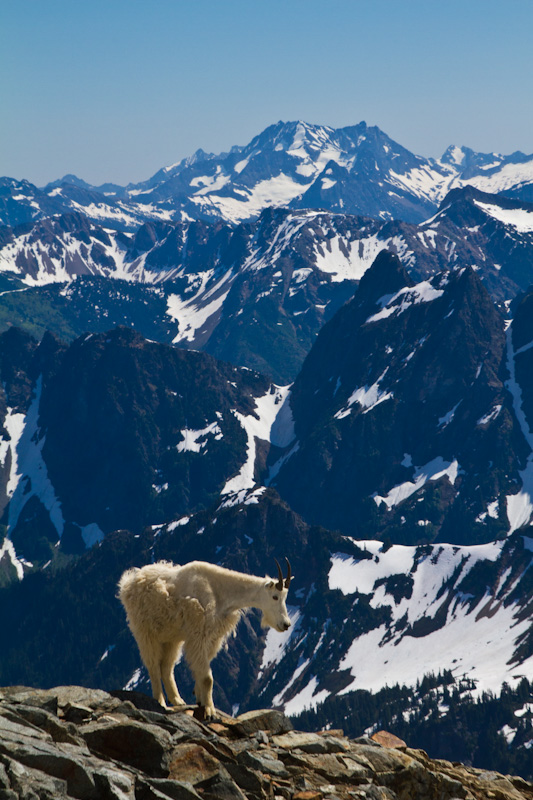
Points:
152	655
171	652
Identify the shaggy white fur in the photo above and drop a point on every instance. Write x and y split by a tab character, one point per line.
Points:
195	607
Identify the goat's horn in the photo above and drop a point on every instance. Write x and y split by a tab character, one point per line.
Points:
289	573
279	585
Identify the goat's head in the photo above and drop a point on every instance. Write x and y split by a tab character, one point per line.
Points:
275	597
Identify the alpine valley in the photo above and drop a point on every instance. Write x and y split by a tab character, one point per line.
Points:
318	346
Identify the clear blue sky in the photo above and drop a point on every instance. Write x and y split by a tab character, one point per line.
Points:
112	90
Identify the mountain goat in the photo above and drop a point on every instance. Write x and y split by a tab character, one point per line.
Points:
196	606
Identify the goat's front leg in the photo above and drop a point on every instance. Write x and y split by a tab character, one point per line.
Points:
203	682
203	689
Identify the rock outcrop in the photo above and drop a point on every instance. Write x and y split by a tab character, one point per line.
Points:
81	743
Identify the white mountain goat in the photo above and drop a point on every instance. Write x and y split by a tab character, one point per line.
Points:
196	606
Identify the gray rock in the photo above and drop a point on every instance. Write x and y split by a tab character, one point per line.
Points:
193	763
41	719
265	762
62	761
25	782
219	788
333	767
262	720
61	697
248	779
365	740
114	784
4	779
14	729
31	697
381	759
177	790
498	783
127	709
415	780
303	784
144	790
216	747
310	743
371	792
128	753
94	699
74	712
189	726
139	700
144	747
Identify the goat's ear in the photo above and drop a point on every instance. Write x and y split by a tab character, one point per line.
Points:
270	583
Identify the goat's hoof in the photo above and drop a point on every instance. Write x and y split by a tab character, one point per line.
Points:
205	713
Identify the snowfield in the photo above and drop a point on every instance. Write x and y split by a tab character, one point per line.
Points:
474	642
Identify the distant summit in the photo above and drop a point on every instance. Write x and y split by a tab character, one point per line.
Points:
357	169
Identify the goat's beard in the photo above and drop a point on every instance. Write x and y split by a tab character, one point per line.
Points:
265	622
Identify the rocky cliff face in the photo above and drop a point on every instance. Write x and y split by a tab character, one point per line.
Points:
70	742
407	374
153	411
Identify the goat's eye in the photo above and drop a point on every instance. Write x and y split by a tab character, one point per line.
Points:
274	597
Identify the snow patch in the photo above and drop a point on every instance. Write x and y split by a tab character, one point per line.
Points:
519	218
423	292
490	416
196	440
461	643
276	642
519	505
432	471
368	398
28	468
271	422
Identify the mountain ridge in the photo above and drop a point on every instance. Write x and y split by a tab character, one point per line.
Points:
255	294
356	169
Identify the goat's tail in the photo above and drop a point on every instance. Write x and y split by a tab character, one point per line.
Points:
126	583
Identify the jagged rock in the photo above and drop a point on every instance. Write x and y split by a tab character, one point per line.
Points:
332	766
76	713
25	782
262	720
44	720
145	747
264	761
248	779
308	795
114	784
192	763
164	788
219	788
36	750
31	697
388	739
123	752
311	743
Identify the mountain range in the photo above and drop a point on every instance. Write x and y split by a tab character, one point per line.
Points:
430	453
353	170
318	346
255	294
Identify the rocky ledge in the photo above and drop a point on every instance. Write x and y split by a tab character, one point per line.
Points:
81	743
